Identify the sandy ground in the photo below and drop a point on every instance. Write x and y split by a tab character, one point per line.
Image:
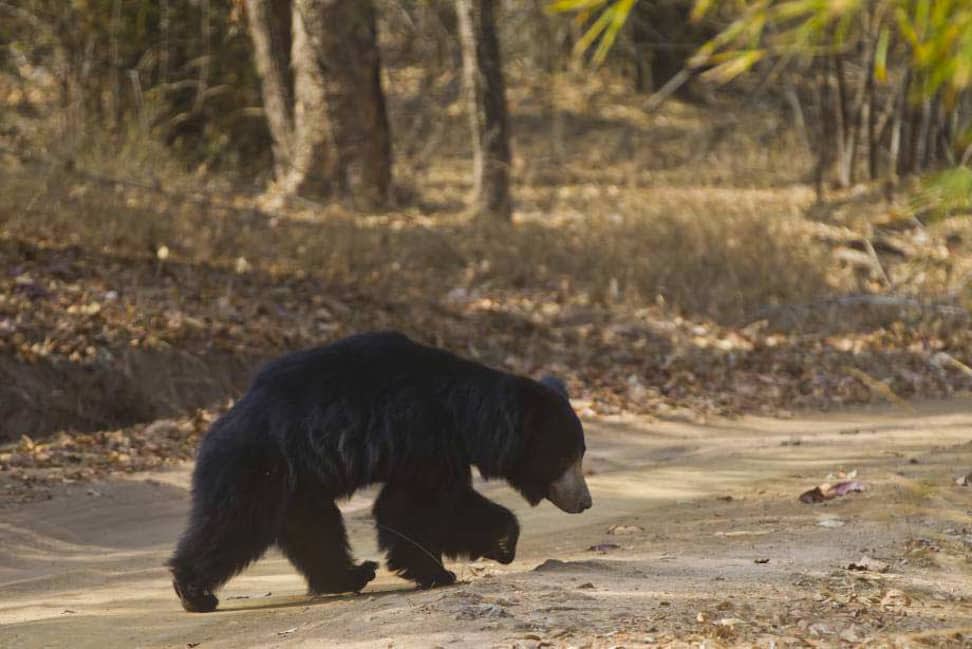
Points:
696	538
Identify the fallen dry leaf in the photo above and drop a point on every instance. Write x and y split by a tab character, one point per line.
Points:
827	491
894	598
729	621
604	547
846	487
869	564
624	530
831	522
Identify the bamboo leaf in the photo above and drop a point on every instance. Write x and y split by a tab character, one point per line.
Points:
700	9
881	55
732	68
573	6
592	34
619	15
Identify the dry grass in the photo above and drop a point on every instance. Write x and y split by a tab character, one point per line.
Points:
613	205
712	258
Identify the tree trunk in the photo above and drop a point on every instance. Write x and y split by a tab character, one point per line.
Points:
842	113
114	73
324	102
486	100
355	101
270	30
826	143
310	173
870	105
900	135
205	61
644	61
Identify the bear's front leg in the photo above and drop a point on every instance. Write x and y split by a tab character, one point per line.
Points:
414	562
351	581
410	532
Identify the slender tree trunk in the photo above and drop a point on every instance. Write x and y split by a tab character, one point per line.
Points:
894	148
857	125
844	126
872	145
114	96
901	134
165	21
913	130
206	60
931	150
921	136
644	58
270	29
870	108
828	137
310	173
486	99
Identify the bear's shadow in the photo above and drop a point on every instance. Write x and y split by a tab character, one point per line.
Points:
235	605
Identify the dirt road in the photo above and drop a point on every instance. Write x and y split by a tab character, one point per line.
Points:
697	536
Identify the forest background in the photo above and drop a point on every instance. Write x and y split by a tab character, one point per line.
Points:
685	208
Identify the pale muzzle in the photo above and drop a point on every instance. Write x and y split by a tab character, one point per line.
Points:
569	492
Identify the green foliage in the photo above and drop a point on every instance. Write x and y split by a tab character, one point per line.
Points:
604	30
935	36
945	194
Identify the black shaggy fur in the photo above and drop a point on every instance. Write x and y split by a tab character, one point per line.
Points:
417	529
374	408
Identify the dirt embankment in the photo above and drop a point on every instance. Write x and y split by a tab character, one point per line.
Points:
137	386
696	535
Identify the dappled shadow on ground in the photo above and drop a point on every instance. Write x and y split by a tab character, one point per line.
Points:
320	601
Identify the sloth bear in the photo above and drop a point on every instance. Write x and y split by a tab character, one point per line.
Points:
317	425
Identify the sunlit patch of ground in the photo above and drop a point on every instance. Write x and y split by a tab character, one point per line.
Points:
697	534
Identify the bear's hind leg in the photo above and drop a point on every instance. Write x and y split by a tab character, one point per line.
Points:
313	538
214	548
235	514
409	531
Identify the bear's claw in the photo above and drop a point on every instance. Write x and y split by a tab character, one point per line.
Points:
195	600
353	581
444	578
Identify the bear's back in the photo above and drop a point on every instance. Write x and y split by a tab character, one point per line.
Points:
373	407
362	364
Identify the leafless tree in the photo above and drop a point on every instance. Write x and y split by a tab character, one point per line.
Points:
486	100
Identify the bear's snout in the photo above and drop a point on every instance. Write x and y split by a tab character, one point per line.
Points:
569	492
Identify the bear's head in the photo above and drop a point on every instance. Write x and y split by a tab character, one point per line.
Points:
550	464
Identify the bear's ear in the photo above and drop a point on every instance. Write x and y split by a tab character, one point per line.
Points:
556	385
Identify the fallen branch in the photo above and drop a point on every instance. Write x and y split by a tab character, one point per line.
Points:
868	300
878	387
944	359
